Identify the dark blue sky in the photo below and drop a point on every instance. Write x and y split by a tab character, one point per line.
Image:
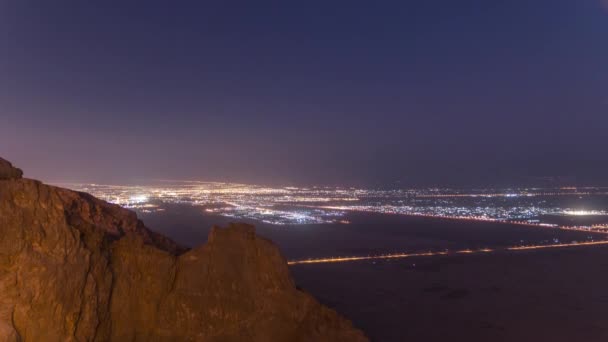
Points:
351	92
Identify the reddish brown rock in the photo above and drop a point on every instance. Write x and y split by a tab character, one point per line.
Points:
75	268
7	171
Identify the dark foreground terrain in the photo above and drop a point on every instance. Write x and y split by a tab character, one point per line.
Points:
367	234
548	295
542	295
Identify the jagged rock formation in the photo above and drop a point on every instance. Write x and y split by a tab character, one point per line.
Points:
75	268
7	171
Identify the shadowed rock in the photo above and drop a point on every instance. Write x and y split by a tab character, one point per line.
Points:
75	268
7	171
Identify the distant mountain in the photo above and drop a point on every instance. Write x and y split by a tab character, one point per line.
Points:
75	268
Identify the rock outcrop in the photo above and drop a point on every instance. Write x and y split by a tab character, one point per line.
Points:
75	268
7	171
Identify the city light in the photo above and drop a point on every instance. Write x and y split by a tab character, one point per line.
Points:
534	207
440	253
584	212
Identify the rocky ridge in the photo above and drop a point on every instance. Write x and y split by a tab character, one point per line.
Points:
75	268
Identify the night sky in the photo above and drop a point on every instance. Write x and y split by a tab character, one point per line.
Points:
330	92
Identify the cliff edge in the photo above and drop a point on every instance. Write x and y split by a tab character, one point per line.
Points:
7	171
75	268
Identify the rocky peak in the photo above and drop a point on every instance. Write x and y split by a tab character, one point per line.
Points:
7	171
75	268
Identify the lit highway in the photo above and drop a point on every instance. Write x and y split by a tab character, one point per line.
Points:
441	253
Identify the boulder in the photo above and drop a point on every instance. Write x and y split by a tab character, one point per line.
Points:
7	171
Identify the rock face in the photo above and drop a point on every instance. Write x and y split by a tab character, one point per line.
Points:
75	268
7	171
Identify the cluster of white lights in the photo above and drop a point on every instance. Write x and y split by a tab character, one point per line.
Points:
319	205
585	212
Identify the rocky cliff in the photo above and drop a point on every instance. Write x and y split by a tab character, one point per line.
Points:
75	268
